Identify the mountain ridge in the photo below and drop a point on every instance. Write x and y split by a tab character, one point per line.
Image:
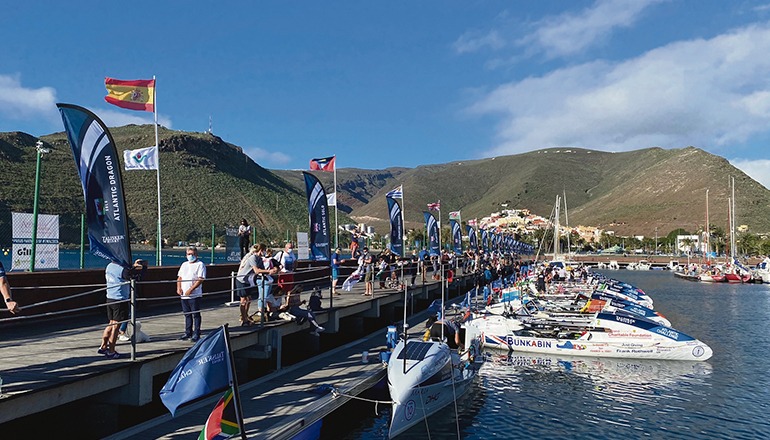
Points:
206	180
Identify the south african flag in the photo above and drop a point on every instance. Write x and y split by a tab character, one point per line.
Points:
222	423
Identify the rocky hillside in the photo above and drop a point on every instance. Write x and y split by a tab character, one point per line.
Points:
206	181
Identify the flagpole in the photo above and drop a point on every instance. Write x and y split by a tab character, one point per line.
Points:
234	384
441	267
336	226
159	256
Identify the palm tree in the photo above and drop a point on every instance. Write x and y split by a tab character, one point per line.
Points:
688	243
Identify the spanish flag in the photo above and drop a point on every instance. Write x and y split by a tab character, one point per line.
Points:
135	95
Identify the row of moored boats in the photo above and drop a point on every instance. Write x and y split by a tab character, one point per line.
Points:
598	317
734	272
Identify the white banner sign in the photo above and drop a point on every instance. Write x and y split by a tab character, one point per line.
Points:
303	246
47	247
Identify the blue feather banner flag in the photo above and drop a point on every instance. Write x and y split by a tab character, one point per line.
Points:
98	165
396	227
457	236
472	238
318	212
431	226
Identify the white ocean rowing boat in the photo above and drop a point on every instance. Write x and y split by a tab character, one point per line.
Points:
617	335
426	376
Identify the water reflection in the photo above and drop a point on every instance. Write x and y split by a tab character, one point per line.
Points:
602	371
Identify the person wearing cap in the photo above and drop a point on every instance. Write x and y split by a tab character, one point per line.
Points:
118	290
336	261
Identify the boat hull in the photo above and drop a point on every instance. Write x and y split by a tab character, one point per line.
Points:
506	334
428	377
423	402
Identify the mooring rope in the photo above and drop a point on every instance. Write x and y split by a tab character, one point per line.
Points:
424	414
336	393
454	395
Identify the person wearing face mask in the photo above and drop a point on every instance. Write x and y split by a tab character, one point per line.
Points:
189	283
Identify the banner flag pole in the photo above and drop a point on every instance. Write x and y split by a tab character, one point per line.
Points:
159	256
234	383
336	196
403	216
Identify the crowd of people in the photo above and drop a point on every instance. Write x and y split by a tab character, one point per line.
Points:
269	279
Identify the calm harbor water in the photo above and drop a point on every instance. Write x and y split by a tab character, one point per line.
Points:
521	396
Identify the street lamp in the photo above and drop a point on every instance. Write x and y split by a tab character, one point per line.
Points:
40	152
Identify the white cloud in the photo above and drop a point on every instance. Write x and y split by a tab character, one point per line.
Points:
474	40
556	36
23	103
758	170
118	118
262	156
701	92
568	33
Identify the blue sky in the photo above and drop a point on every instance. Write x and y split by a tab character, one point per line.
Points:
400	83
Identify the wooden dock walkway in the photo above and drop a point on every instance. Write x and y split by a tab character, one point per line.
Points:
46	367
282	404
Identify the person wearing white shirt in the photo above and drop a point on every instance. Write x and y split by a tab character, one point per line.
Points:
189	287
244	237
286	258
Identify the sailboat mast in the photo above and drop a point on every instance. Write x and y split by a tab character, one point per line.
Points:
566	222
708	228
556	229
732	218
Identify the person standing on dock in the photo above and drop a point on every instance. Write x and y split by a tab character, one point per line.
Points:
336	261
244	237
5	290
189	283
286	261
286	258
368	264
245	283
354	243
118	295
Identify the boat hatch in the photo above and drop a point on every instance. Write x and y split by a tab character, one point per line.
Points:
415	351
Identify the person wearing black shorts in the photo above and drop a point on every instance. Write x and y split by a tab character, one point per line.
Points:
118	295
